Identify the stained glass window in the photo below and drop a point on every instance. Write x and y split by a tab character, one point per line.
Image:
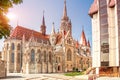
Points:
69	55
32	56
12	57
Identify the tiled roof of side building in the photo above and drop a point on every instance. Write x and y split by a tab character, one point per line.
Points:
112	3
19	31
93	8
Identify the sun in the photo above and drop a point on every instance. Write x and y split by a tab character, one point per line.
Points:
11	15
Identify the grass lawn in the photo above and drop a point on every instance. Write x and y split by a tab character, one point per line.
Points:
74	73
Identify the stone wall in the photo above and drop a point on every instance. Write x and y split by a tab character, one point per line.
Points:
2	69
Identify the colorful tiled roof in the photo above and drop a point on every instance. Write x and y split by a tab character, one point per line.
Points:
59	39
19	31
93	8
77	45
112	3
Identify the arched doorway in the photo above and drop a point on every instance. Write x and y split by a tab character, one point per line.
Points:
59	68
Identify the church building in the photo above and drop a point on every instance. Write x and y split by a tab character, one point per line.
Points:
30	51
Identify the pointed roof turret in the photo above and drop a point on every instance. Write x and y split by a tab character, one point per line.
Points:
77	44
43	20
83	40
43	26
53	29
65	11
88	43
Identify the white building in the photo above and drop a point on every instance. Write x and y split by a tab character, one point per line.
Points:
105	15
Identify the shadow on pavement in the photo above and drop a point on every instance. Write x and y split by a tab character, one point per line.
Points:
9	77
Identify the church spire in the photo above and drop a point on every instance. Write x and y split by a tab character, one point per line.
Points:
88	43
65	11
43	26
53	29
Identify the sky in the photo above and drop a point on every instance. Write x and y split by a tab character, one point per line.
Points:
29	14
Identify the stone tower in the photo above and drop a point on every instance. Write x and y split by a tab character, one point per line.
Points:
53	36
65	21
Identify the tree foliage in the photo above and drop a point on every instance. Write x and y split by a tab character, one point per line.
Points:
4	7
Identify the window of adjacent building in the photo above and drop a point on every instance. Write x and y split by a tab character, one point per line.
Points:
106	63
69	55
102	3
13	46
18	47
32	55
12	57
118	13
104	36
103	10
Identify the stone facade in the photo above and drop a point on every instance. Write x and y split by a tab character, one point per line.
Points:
3	69
29	51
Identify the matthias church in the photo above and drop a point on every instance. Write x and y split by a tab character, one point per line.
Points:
30	51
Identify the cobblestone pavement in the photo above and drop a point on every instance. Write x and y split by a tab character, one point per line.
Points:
19	76
108	78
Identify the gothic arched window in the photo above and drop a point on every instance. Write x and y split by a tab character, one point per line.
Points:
33	55
69	55
13	46
7	46
44	56
18	57
50	57
18	47
39	55
12	57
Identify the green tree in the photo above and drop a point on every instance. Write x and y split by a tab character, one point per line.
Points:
4	7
